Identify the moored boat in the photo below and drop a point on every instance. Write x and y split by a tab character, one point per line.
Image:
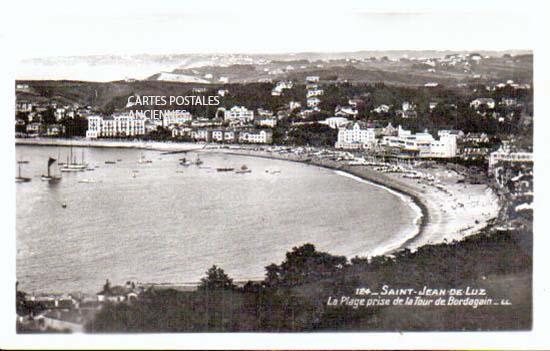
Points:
19	178
184	162
72	165
50	177
244	169
143	160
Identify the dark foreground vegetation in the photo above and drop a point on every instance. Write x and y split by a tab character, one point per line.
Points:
293	296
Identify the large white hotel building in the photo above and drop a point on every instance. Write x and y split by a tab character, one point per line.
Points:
117	125
423	144
357	135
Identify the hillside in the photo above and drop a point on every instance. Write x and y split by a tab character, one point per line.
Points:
117	67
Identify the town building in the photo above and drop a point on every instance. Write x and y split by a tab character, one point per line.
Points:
280	87
505	155
486	102
116	125
202	134
314	92
270	122
355	135
264	113
55	129
382	109
294	105
355	102
313	102
180	131
509	101
388	130
256	136
312	79
346	111
218	135
23	107
59	113
239	113
335	122
422	144
176	117
118	293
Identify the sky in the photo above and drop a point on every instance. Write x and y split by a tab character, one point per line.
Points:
72	28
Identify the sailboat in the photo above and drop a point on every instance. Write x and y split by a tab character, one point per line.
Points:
49	176
72	165
19	178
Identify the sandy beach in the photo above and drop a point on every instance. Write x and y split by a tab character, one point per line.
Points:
450	210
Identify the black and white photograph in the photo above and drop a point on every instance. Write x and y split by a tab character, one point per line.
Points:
353	168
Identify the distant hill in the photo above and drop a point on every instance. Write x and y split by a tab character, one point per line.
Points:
181	81
118	67
404	71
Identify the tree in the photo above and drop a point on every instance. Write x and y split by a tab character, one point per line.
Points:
303	264
216	279
48	116
107	286
22	116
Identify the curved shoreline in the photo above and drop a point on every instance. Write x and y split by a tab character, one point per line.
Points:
387	185
438	214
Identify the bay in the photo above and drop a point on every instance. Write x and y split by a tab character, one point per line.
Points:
161	222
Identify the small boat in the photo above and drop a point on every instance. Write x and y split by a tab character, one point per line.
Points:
73	168
87	180
184	162
225	169
143	160
244	169
110	162
90	169
198	161
19	178
21	161
49	176
119	160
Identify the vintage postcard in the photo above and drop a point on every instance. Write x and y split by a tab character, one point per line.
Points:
287	168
